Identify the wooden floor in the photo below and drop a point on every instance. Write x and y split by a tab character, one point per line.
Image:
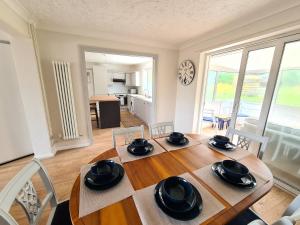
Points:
65	167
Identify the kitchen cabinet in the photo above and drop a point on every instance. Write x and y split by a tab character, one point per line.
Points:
142	109
133	79
129	103
119	76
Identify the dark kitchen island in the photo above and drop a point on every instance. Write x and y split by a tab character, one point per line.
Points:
108	110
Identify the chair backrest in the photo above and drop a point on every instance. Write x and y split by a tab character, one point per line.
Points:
127	133
245	139
21	190
160	129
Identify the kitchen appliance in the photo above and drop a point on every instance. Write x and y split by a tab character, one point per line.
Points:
119	78
123	99
132	91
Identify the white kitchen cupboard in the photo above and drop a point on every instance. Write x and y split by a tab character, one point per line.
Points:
142	109
119	76
133	79
128	79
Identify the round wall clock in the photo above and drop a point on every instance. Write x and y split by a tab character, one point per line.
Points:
186	72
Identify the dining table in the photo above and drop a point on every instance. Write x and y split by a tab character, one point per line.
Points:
151	170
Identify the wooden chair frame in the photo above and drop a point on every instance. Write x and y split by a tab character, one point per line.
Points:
128	133
21	190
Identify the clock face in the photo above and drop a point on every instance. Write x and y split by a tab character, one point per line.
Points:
186	72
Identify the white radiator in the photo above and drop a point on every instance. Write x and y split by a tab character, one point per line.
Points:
65	95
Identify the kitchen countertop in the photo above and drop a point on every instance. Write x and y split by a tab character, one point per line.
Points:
103	98
142	97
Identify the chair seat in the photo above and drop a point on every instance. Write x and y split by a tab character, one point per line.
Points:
209	119
244	218
62	214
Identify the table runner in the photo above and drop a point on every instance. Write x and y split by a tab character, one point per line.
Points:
125	156
236	154
151	214
91	201
228	192
169	147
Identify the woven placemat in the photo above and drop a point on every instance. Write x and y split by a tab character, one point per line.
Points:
91	201
151	214
228	192
125	156
169	147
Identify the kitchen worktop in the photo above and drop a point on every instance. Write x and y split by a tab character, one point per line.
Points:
103	98
142	97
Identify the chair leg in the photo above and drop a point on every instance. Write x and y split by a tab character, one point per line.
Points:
97	118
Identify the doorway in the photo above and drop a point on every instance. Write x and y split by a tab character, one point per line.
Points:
123	77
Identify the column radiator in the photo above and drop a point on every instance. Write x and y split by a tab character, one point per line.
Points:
62	74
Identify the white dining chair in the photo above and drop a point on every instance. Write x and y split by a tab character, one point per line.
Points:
289	217
157	130
22	191
245	139
127	133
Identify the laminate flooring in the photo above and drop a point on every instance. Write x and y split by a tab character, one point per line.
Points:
65	166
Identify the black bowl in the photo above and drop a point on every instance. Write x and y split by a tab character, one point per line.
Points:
180	213
234	169
176	136
221	140
178	193
139	144
103	169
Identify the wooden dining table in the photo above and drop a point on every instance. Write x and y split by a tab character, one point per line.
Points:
148	171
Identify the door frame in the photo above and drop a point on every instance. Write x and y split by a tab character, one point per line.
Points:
277	41
84	83
241	78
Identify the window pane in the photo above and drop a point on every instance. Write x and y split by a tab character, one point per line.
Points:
254	87
220	89
283	125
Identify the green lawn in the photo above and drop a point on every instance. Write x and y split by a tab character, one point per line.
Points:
288	93
289	96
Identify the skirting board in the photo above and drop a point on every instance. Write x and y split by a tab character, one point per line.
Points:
45	156
65	146
285	187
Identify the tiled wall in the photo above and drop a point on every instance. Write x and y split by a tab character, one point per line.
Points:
116	87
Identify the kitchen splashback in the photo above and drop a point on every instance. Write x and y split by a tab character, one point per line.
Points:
117	88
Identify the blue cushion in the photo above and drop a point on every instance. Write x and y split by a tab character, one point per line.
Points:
207	118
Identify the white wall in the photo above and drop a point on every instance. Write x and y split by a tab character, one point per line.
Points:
14	132
32	97
27	117
66	47
100	80
188	98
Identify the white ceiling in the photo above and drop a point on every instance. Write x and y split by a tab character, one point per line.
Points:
115	59
166	21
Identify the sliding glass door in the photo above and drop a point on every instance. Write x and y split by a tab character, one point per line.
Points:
257	90
283	124
221	84
252	88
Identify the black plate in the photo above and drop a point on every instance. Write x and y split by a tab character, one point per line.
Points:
118	173
188	215
184	141
248	181
227	147
147	150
